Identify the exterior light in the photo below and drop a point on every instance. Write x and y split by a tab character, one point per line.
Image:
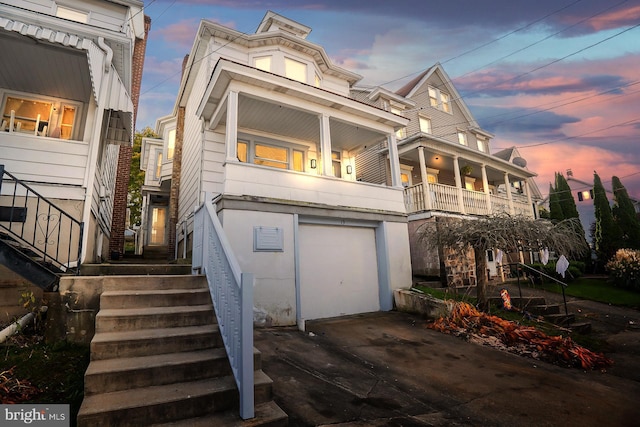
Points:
314	163
349	169
585	195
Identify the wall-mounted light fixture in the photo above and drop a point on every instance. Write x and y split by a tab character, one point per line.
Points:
349	169
314	163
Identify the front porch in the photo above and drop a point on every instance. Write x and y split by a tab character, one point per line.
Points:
445	198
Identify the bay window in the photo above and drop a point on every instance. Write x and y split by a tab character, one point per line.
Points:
39	116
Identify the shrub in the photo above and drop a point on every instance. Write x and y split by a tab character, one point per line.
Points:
575	270
624	268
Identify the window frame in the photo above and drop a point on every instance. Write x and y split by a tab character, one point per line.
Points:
296	61
55	115
425	119
290	148
440	100
462	138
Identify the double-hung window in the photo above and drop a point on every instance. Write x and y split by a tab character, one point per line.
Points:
439	99
462	137
295	70
425	124
271	155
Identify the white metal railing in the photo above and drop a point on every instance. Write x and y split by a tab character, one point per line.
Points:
232	295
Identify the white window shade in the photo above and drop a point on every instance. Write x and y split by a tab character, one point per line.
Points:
295	70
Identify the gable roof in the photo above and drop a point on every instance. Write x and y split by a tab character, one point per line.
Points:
414	86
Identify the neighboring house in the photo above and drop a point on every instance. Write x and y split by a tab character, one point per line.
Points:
156	159
446	164
67	78
267	128
582	193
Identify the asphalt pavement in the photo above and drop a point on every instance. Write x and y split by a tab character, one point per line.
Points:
388	369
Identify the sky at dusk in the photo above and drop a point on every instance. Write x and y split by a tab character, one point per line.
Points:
558	79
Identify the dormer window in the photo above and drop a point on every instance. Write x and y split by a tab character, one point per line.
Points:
482	144
295	70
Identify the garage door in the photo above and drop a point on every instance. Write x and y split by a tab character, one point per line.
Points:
338	271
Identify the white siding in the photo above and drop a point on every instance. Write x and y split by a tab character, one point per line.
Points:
42	159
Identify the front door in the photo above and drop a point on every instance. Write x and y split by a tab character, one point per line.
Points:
158	226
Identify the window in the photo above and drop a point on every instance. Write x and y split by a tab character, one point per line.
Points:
400	133
271	155
171	144
405	175
462	138
267	155
425	124
72	14
66	121
316	80
432	176
336	164
433	97
158	165
439	100
446	102
469	183
39	117
263	63
482	144
295	70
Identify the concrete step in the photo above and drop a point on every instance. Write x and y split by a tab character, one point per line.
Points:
128	269
268	414
129	319
158	282
166	403
146	342
561	319
154	298
580	327
544	309
109	375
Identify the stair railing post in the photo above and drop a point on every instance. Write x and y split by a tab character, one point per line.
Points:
246	332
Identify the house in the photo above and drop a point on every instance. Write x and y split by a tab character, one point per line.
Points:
266	127
69	85
582	193
447	166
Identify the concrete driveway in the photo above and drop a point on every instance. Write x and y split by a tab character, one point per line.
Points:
387	369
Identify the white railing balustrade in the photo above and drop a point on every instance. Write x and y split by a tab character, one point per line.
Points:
232	295
445	198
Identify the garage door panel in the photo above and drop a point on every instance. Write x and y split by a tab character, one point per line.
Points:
338	271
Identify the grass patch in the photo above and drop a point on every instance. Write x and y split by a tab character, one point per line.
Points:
57	370
596	289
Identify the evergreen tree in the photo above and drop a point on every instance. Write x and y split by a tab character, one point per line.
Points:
624	214
565	197
555	209
607	234
136	177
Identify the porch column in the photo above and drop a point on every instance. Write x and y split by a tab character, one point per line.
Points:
394	161
425	181
527	190
485	186
325	145
509	196
456	171
231	134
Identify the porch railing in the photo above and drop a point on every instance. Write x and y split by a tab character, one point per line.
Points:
39	225
232	294
446	198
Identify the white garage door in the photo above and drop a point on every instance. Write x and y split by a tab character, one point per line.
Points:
338	271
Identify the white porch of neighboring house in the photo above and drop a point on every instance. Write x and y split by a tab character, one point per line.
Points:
64	112
279	158
490	186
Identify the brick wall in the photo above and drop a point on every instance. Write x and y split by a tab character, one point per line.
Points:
175	184
118	221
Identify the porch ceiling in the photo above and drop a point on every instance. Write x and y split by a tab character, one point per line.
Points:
21	68
276	119
442	159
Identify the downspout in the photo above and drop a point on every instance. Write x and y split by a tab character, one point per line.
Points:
94	144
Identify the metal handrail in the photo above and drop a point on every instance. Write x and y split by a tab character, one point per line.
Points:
564	285
232	295
41	226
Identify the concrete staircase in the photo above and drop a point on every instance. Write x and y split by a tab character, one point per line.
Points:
157	358
553	313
